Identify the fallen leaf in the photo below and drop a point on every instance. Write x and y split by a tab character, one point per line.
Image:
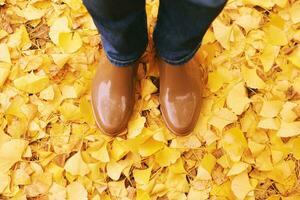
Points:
234	143
271	108
76	191
276	36
70	42
222	33
268	56
142	176
252	79
31	83
289	129
237	99
240	185
167	156
58	26
11	152
5	55
76	166
294	57
237	168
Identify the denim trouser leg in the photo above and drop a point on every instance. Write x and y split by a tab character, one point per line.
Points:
123	28
181	26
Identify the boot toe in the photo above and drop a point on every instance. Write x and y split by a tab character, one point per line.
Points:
180	116
111	117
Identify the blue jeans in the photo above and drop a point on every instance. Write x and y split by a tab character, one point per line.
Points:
180	27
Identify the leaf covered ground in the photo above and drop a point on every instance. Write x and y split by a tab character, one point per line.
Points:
246	144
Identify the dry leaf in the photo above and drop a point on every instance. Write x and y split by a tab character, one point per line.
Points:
11	152
76	166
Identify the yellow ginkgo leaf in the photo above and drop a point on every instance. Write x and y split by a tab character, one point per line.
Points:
70	42
281	3
255	147
32	13
276	36
76	166
268	56
222	33
40	184
101	154
20	38
86	110
70	112
277	20
234	143
76	191
142	176
178	167
237	99
119	149
4	55
263	161
222	190
142	195
167	156
269	123
4	182
135	126
294	12
215	81
4	72
57	192
237	168
74	4
249	21
114	170
206	166
222	118
117	188
150	147
240	185
21	177
287	114
147	87
294	57
289	129
68	91
264	4
252	79
31	83
58	26
10	153
271	108
47	93
60	59
296	147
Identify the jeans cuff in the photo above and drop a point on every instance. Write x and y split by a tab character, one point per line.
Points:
178	61
123	63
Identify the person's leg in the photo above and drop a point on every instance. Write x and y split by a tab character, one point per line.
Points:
180	28
123	28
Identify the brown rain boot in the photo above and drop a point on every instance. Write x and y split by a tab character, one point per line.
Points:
180	95
112	96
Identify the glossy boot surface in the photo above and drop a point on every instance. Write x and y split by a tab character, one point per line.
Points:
112	96
180	95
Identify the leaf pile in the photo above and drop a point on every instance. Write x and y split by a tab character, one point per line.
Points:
246	144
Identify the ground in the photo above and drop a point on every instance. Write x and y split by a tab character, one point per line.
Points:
246	144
